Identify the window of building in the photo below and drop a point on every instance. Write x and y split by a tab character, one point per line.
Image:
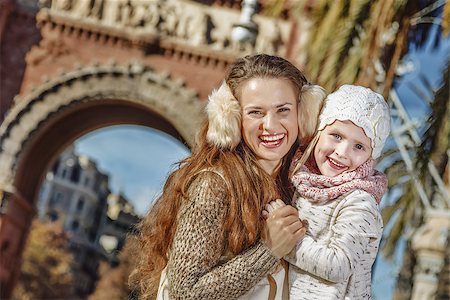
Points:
80	204
55	166
86	181
56	198
53	216
75	225
75	175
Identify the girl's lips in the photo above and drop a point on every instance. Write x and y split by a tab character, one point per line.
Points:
335	164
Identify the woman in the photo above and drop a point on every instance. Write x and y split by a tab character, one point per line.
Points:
206	233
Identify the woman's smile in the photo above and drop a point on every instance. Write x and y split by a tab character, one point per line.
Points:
269	119
272	140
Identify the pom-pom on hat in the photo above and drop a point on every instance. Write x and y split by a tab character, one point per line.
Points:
364	108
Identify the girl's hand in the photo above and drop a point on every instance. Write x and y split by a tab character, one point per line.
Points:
271	207
283	229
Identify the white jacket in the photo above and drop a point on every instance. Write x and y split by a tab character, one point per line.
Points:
334	259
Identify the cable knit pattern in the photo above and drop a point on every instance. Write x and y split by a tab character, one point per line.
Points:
334	259
198	266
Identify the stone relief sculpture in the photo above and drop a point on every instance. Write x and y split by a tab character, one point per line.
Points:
271	40
169	18
145	14
81	8
187	22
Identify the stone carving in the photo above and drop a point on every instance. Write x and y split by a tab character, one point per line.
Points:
183	21
47	48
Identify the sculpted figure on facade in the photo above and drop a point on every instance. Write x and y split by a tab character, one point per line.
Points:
145	13
115	13
186	22
169	19
80	8
269	40
97	9
58	5
192	27
220	34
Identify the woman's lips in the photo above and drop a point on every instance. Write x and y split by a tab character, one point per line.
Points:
272	140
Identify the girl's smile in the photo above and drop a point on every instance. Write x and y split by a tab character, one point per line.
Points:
342	147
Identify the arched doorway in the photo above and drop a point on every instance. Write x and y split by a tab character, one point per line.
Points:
44	122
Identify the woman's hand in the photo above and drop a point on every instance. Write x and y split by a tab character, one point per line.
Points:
283	228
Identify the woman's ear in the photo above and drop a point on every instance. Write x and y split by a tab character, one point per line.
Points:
311	102
224	118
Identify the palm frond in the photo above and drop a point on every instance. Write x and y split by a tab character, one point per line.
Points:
436	140
354	15
322	38
407	204
446	19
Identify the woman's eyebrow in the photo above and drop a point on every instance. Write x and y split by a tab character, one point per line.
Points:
260	107
252	107
280	105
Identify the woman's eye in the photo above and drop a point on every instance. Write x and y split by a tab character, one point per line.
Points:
284	109
336	136
255	112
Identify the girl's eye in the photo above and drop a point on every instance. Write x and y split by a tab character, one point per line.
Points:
336	136
359	147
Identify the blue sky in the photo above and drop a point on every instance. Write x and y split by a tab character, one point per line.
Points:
138	159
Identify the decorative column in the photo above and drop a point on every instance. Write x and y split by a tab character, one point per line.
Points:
430	244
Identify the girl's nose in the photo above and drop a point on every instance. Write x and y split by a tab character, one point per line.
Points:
342	150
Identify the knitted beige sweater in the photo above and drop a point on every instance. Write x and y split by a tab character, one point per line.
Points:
198	266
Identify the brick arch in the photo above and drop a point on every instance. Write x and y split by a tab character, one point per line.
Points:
41	124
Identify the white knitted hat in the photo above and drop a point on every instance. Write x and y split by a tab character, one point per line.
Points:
364	108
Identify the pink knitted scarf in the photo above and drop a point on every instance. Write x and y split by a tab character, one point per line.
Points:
321	189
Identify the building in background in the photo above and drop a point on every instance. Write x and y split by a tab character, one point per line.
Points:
121	219
76	194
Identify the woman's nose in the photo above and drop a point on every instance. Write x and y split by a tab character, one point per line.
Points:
269	122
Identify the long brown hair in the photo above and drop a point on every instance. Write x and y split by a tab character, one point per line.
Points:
249	186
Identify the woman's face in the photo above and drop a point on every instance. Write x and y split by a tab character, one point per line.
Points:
269	119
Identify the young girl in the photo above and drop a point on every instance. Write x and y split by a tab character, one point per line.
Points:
337	193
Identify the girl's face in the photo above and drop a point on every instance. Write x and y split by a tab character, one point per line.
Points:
269	119
342	147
